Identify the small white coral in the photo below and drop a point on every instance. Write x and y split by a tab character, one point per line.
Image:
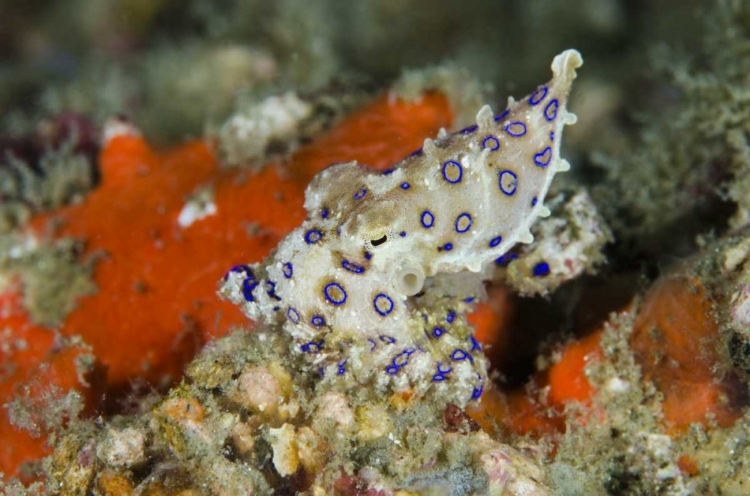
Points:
123	448
199	206
334	407
285	456
246	137
258	389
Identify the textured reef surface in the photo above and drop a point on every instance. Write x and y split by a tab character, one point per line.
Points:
289	248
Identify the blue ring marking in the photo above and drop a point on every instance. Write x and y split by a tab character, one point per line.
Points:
405	185
508	182
502	116
475	345
550	111
533	201
491	143
352	267
388	172
450	317
402	358
515	129
541	269
455	170
312	347
469	130
465	217
248	285
552	136
342	368
459	355
402	234
392	369
469	299
241	269
477	393
386	339
324	213
374	344
438	331
292	315
359	194
416	153
447	247
505	260
496	241
543	158
313	236
378	302
288	270
427	219
332	298
440	376
271	290
536	98
318	320
368	255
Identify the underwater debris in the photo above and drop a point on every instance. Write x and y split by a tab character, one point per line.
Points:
375	284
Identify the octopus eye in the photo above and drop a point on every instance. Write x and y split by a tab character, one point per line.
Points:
379	241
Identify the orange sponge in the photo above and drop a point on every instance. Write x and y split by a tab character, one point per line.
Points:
676	341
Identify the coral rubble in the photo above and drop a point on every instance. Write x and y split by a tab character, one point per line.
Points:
247	420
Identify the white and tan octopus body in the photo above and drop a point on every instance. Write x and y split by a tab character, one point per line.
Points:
374	285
